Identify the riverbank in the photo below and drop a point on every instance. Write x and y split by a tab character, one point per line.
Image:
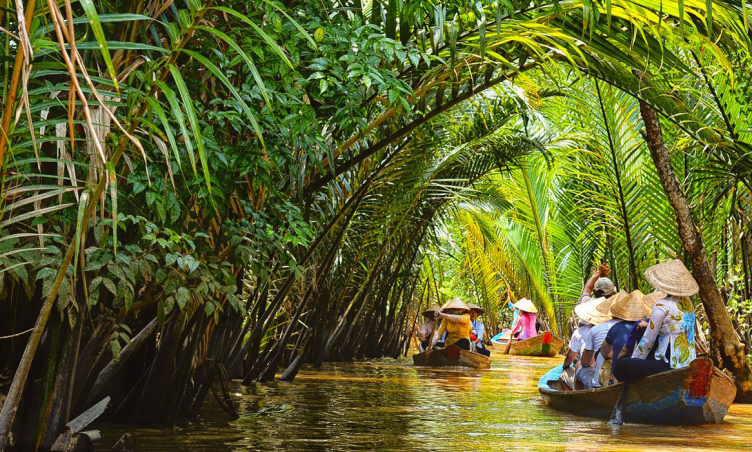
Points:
392	405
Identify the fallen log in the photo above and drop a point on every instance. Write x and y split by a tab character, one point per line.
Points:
74	439
124	444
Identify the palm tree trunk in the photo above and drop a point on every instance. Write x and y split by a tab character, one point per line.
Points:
726	349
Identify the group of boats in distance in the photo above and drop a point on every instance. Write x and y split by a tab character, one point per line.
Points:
697	394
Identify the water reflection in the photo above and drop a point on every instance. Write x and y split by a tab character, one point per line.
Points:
392	405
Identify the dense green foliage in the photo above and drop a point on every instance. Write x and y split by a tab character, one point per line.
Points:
263	180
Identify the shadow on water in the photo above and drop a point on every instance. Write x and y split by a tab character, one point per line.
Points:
392	405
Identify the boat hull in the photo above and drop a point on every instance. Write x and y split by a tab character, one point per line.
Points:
452	356
697	394
546	345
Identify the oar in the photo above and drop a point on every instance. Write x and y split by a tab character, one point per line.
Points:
620	409
509	344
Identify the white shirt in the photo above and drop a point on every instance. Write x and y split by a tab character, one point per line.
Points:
594	340
577	342
672	324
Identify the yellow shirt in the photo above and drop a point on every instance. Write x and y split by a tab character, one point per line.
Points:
456	330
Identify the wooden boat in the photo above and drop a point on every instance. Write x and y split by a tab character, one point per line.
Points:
452	356
545	344
697	394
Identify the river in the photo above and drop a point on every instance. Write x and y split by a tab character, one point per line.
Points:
392	405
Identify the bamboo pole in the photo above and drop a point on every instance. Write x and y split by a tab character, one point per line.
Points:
11	101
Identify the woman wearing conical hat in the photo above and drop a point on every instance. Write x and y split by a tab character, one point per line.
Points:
629	310
428	326
669	339
524	326
455	322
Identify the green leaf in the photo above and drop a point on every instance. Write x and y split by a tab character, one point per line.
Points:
294	23
166	127
178	112
128	298
217	73
115	347
79	229
246	58
96	28
182	297
110	285
193	119
273	45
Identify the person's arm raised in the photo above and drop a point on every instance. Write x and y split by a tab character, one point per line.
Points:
603	270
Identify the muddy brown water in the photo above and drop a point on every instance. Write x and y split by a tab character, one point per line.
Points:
392	405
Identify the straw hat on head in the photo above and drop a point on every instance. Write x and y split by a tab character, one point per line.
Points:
475	307
673	278
455	303
629	308
651	298
605	307
526	305
434	308
587	311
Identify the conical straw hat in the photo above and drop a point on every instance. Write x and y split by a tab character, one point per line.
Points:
455	303
605	307
587	311
526	305
475	307
630	308
651	298
673	278
432	309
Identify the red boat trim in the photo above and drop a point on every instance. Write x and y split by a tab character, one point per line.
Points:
702	371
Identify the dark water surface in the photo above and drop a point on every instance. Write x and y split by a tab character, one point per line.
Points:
392	405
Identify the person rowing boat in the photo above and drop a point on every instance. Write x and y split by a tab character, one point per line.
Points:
428	326
478	329
525	325
455	321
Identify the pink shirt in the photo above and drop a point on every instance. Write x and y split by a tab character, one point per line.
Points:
525	325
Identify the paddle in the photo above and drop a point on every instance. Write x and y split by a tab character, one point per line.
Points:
509	344
620	409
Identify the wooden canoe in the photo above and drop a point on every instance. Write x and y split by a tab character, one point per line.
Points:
697	394
545	344
452	356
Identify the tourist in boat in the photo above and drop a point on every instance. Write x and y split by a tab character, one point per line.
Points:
588	317
428	326
477	331
525	326
669	338
455	322
588	369
615	340
629	310
598	285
